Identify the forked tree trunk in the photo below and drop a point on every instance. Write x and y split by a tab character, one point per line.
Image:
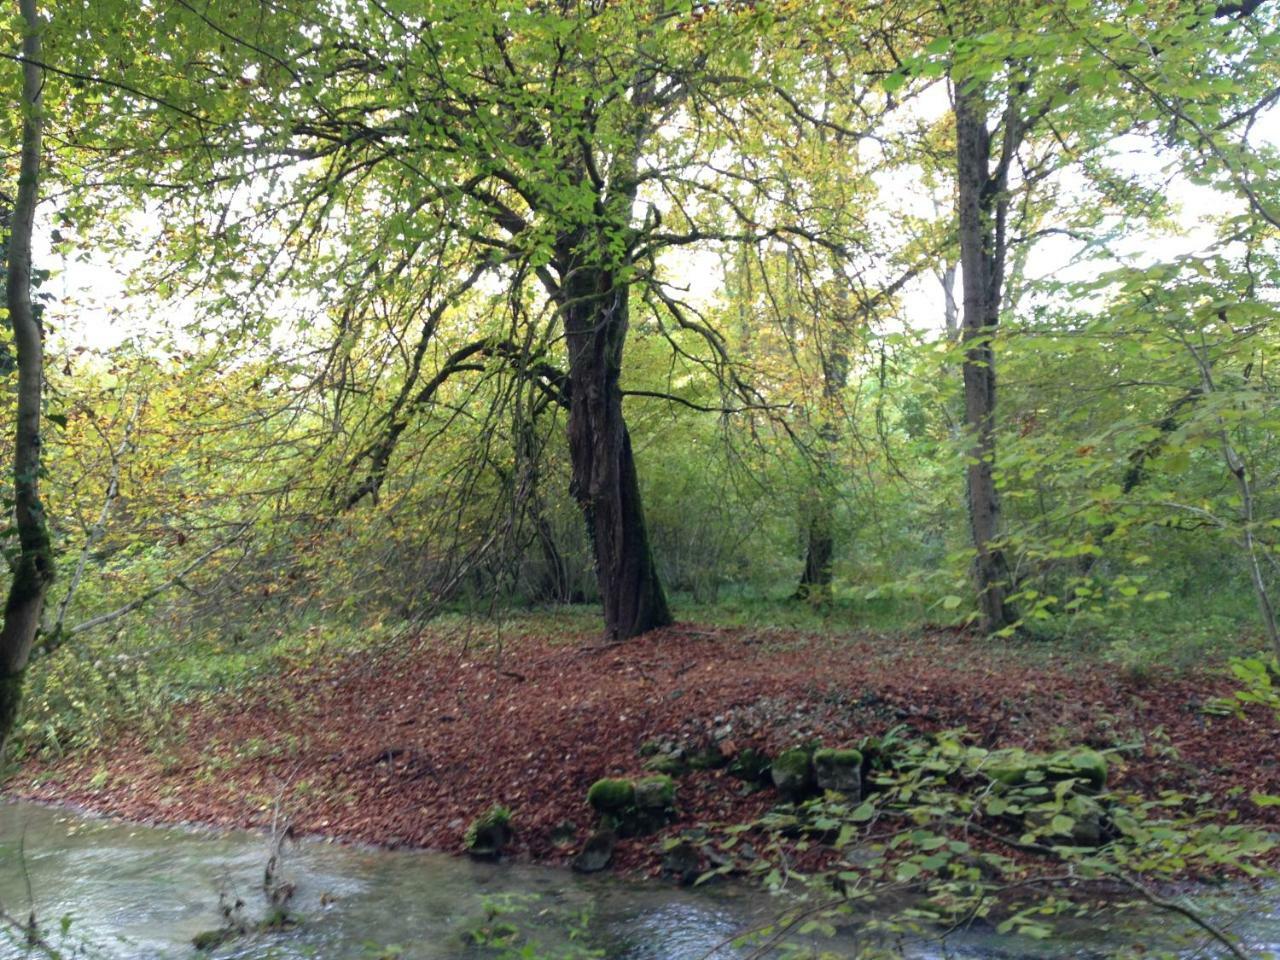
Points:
604	481
33	568
982	201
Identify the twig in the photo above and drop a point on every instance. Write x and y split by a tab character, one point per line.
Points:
1186	913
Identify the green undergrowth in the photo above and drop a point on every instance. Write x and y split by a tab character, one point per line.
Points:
95	687
950	836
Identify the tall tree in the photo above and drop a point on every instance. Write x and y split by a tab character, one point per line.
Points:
449	150
32	568
982	181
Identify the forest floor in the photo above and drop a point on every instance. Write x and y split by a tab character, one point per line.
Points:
405	745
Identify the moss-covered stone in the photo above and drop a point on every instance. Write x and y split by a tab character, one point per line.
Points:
1014	767
1088	765
682	860
792	774
708	758
667	763
839	770
612	795
490	833
1009	767
751	765
1082	821
655	793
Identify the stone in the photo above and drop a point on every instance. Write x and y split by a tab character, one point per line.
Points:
655	793
683	862
1014	767
596	853
490	833
564	833
839	770
1009	767
1082	763
1088	822
611	796
707	757
668	763
751	765
792	774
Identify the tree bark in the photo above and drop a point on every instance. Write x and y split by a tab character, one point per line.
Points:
33	568
950	309
594	304
815	580
982	209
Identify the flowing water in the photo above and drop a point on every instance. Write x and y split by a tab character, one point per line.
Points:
139	892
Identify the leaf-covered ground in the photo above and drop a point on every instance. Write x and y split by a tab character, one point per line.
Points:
406	747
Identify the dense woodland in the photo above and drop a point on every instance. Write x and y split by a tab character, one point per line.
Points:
333	321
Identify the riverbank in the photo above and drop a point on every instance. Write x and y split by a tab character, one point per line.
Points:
407	747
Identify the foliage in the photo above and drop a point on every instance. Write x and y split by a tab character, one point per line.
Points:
373	249
951	834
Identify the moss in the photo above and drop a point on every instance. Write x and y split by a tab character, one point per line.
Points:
490	832
750	765
792	773
655	793
1089	765
1016	767
838	758
709	758
611	795
668	764
1010	767
839	770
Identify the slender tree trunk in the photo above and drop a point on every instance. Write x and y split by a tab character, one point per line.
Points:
982	207
1239	471
815	580
950	309
553	584
33	569
604	481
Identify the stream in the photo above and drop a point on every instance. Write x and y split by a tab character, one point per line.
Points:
142	893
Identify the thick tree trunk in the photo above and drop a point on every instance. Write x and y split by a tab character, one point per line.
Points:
33	569
982	204
604	482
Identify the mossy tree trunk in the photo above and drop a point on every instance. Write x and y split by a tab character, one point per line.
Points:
33	567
